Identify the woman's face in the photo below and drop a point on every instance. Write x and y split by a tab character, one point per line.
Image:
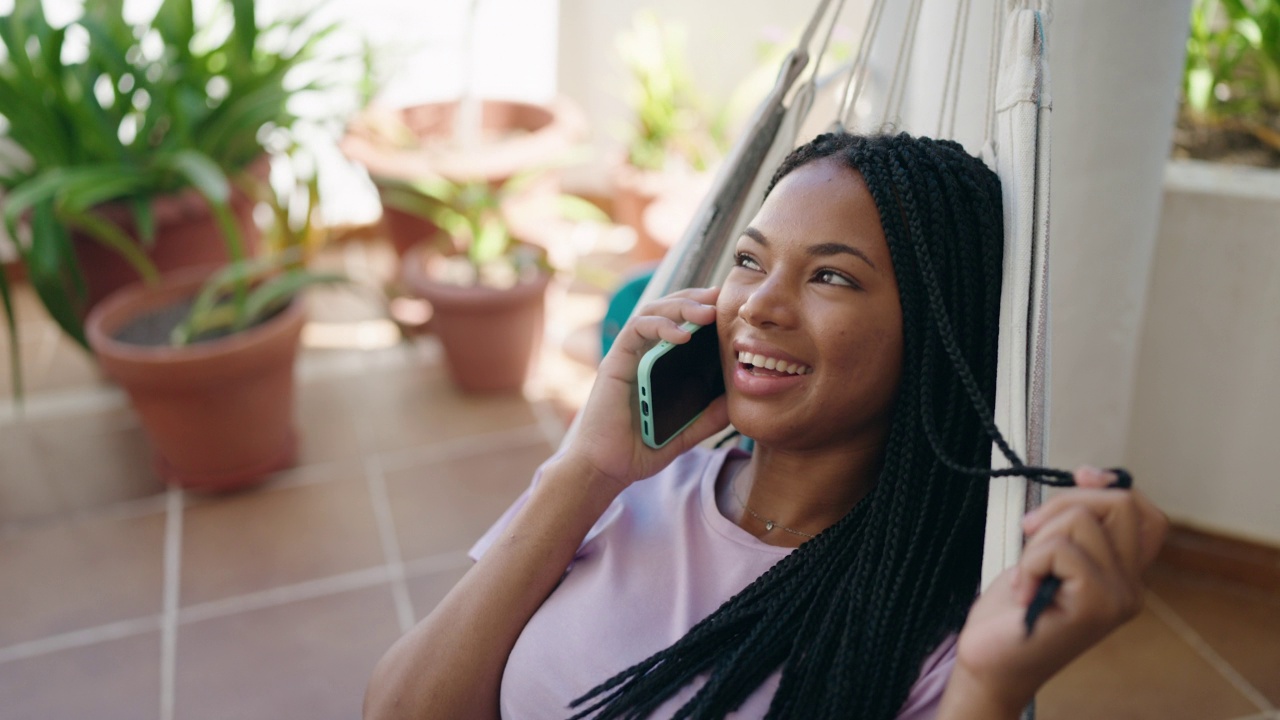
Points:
813	299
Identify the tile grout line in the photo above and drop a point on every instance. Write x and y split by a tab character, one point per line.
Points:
376	480
390	544
169	618
459	447
1206	652
273	597
79	638
284	594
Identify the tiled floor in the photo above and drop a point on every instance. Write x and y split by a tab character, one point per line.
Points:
123	600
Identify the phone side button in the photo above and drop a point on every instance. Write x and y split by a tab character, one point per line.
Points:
644	407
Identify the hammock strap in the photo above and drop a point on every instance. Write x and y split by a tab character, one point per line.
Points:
955	63
993	71
902	66
826	40
861	65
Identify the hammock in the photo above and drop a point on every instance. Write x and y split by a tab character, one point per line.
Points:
1009	118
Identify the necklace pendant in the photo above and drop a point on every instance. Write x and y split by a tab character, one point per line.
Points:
768	525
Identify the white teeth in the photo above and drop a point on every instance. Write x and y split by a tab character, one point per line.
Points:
769	363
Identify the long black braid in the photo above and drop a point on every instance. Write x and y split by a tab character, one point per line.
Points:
849	617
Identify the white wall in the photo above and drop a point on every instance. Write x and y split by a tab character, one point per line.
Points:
723	38
1116	69
1205	437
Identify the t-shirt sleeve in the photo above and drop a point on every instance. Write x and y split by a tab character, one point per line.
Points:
926	694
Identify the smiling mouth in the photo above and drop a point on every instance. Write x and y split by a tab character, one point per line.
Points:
767	366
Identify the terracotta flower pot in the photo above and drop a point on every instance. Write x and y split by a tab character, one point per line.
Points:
490	336
515	137
219	414
186	236
633	191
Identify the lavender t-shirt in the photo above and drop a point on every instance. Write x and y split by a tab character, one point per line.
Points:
659	560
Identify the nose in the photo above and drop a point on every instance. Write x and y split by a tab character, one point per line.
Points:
769	305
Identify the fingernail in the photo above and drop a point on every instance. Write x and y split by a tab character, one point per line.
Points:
1030	518
1088	473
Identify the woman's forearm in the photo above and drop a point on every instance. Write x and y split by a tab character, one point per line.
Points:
967	698
450	665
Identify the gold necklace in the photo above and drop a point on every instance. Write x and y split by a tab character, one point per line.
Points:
769	525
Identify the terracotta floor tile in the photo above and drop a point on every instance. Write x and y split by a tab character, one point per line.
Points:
25	492
327	411
263	539
414	406
27	307
72	575
445	506
426	591
112	680
309	659
36	341
1240	623
68	367
83	461
1143	671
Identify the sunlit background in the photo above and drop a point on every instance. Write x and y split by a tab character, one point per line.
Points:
139	588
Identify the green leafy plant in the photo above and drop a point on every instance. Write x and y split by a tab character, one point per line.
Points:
1232	72
670	117
102	111
245	293
475	226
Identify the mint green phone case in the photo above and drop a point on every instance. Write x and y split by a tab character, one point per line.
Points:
645	393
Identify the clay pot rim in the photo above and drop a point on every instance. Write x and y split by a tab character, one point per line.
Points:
419	283
186	202
492	162
114	311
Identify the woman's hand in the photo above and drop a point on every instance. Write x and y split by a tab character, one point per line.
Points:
451	664
607	436
1098	541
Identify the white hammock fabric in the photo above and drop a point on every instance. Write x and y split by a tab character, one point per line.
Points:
1015	125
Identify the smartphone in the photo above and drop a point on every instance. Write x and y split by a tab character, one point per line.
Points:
677	382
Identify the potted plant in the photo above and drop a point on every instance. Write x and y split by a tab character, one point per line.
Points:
206	356
672	134
1231	84
121	138
204	353
487	287
470	139
207	362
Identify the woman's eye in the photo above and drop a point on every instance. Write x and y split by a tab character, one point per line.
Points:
744	260
832	277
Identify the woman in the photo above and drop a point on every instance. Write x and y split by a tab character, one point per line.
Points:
858	330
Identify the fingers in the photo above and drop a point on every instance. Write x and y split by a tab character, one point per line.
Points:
661	319
1078	527
1117	510
1092	593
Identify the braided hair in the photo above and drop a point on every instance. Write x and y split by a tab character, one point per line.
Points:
849	616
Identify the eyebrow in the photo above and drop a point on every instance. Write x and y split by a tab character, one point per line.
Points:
820	250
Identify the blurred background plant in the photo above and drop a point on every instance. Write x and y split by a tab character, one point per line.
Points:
478	244
1231	83
104	112
671	120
